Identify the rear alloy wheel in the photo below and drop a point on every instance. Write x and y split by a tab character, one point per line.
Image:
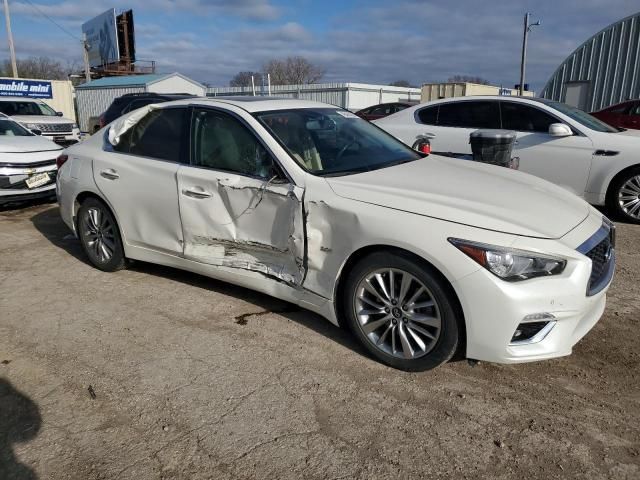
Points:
99	235
624	196
401	312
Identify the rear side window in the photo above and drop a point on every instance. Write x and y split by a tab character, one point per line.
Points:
160	134
428	116
481	114
140	103
524	118
381	110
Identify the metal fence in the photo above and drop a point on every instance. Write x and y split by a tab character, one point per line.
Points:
352	96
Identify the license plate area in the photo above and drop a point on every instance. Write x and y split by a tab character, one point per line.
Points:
37	180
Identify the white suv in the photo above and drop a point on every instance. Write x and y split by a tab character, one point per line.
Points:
38	116
559	143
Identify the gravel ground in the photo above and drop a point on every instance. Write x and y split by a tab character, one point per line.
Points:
153	373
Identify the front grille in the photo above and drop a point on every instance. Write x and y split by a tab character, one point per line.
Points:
599	258
54	127
602	256
19	182
43	163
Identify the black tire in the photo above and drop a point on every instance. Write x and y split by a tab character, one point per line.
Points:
108	233
440	350
615	205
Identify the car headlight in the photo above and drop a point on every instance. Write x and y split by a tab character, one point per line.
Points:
510	264
74	126
31	126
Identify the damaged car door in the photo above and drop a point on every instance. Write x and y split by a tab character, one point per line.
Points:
237	207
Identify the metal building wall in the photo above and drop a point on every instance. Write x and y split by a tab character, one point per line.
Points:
609	61
352	96
92	102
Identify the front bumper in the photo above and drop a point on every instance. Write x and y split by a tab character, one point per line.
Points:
495	309
13	179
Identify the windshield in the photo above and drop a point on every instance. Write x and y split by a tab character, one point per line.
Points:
331	141
9	128
583	117
26	108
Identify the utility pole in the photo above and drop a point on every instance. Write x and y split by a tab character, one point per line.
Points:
85	56
527	29
12	51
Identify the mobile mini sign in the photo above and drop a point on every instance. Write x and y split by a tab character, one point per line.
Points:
25	88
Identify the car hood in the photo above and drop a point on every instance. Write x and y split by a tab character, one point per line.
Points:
32	143
40	119
470	193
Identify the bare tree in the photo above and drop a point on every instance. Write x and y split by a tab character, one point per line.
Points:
243	79
40	67
293	71
400	83
468	79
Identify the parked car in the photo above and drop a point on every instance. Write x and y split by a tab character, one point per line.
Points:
622	115
27	163
554	141
380	111
36	115
129	102
311	204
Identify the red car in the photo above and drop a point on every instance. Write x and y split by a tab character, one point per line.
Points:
622	115
384	109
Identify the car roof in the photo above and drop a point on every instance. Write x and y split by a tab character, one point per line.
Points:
23	99
251	104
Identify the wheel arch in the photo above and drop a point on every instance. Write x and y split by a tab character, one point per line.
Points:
618	175
82	197
362	252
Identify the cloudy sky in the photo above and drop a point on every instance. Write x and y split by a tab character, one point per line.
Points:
359	41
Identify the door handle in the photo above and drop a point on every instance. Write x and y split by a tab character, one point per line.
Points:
110	174
196	192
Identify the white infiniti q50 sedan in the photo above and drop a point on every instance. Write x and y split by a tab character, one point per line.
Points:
419	256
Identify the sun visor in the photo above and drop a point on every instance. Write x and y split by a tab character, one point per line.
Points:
120	126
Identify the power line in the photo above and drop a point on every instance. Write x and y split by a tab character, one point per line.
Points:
53	21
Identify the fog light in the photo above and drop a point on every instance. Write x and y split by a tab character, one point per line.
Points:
533	329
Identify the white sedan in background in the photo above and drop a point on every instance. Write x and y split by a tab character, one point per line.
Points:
307	202
27	163
554	141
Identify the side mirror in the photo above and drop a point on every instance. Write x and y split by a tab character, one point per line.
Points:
35	131
560	130
59	114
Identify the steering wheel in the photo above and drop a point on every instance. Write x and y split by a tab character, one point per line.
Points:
343	150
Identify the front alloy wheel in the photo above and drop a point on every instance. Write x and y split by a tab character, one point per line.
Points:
402	311
397	313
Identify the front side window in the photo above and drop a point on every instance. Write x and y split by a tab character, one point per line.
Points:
524	118
26	108
221	142
331	141
9	128
472	114
157	135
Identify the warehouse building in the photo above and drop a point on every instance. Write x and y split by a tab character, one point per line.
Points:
603	71
93	98
438	91
352	96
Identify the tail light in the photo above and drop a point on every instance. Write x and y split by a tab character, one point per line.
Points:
61	159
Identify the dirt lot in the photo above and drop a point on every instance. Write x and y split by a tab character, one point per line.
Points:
154	373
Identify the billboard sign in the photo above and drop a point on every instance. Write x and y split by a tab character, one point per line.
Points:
102	39
10	87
